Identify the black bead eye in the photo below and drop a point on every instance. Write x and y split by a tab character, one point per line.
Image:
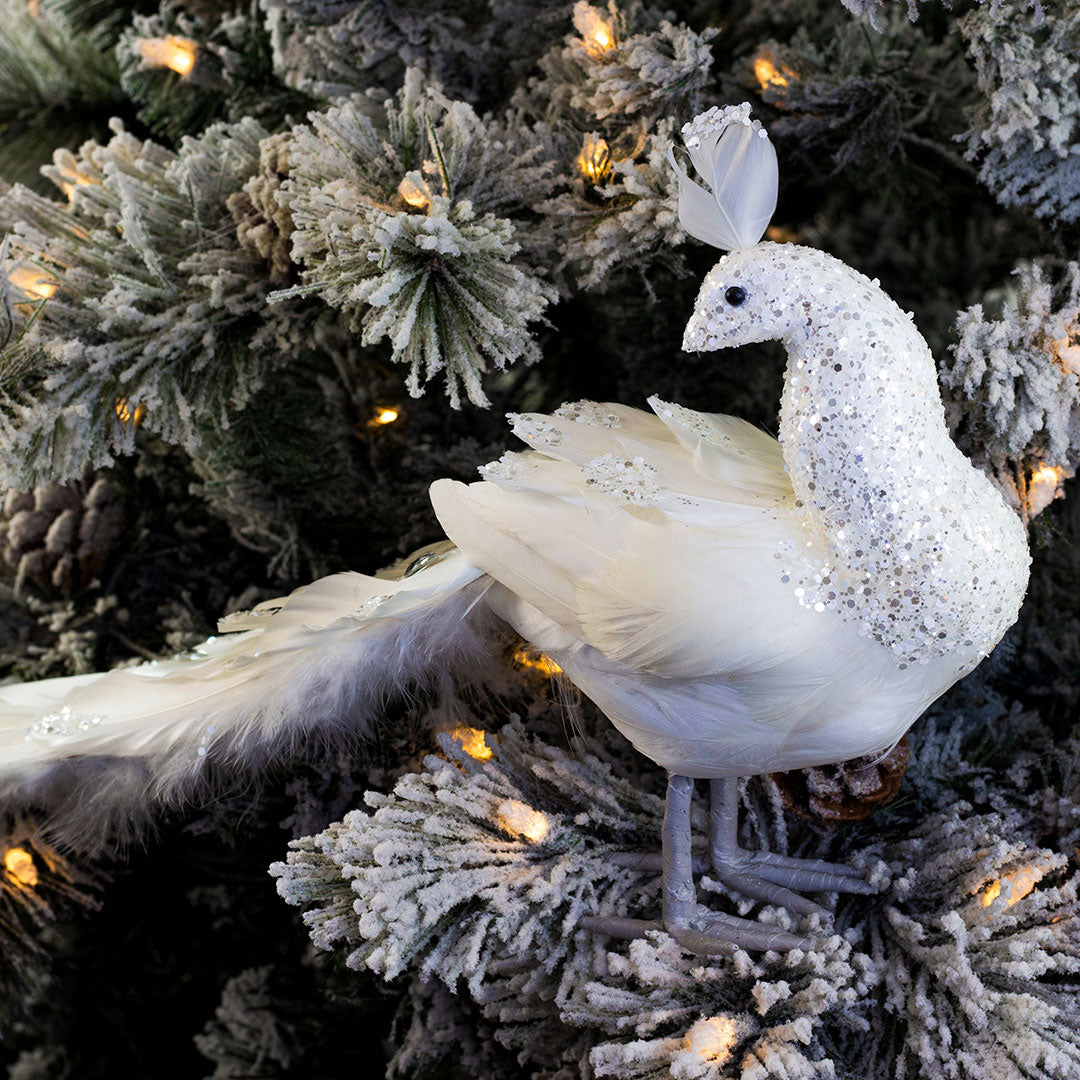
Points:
735	295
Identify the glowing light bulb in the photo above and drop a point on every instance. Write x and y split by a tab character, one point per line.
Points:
594	161
712	1038
1067	354
473	742
385	416
768	74
19	863
778	234
516	817
532	660
413	194
128	415
70	180
32	281
173	52
1043	488
597	34
1019	884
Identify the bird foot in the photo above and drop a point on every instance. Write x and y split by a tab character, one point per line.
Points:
702	931
759	875
763	875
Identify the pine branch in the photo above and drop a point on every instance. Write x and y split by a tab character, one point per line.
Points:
147	305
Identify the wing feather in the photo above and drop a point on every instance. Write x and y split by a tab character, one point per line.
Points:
684	586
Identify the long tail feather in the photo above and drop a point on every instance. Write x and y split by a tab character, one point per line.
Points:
101	751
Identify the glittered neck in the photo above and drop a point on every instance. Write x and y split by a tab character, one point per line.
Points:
922	551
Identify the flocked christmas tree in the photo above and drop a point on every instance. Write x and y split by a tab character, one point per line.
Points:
268	270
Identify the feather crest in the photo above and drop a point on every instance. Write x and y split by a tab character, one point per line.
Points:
734	156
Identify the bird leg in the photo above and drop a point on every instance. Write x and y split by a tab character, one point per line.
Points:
762	875
695	927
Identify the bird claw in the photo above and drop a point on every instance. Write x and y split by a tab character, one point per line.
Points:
763	875
758	888
651	862
713	932
616	926
751	872
759	875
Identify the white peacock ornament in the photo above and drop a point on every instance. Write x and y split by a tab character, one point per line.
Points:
735	604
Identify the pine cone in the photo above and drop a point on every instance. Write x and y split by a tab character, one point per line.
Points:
850	791
61	536
262	222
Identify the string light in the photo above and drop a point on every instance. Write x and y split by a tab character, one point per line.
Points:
597	34
773	78
384	416
778	234
532	660
1019	885
594	161
1043	488
19	863
128	415
769	75
173	52
1067	353
473	742
32	281
70	179
413	194
712	1038
516	817
602	38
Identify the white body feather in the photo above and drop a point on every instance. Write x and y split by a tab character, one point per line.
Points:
678	624
657	590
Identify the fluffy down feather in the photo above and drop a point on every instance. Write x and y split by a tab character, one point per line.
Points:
101	752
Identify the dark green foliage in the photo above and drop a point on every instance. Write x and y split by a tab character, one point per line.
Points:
58	87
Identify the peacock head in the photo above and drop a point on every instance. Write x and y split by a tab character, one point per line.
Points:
748	296
741	299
